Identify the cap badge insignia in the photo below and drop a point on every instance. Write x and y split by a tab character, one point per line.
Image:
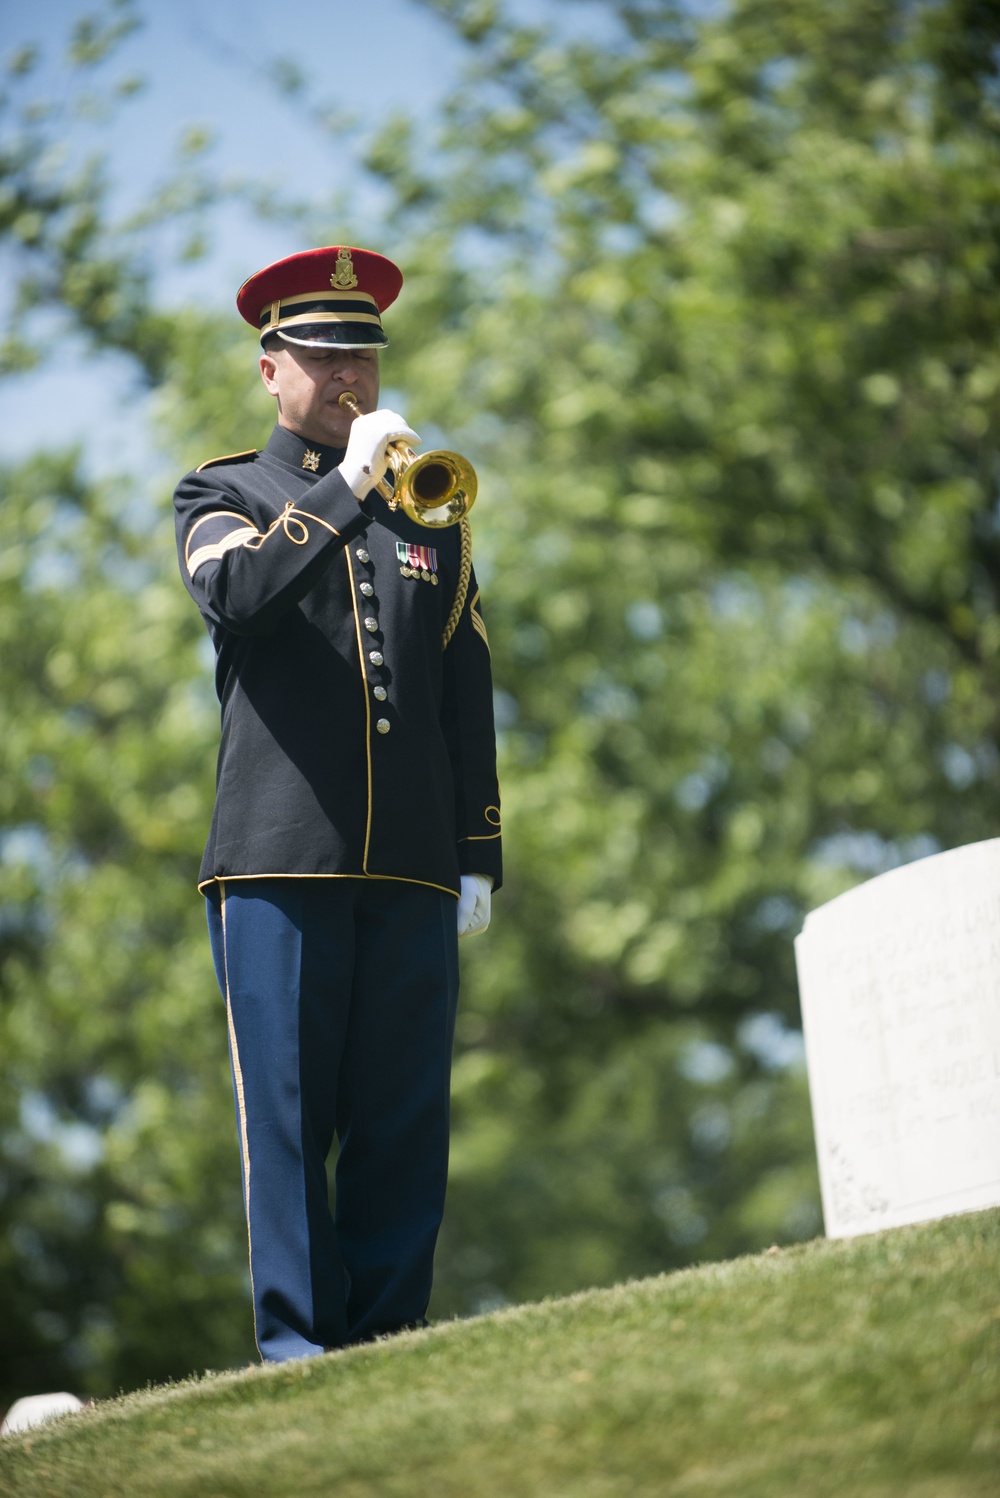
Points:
343	277
310	460
417	561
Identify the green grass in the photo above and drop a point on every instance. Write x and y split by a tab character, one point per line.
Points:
865	1368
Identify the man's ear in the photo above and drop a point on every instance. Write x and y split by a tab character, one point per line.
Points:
268	372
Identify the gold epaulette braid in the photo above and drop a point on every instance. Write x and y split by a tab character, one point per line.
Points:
461	592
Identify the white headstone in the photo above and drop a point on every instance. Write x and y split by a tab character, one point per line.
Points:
37	1409
900	987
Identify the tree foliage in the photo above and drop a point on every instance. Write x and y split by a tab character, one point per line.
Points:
122	1254
732	368
115	1125
711	299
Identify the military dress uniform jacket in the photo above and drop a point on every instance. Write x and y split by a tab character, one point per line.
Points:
353	744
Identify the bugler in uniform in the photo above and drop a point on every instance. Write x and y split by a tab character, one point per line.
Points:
356	799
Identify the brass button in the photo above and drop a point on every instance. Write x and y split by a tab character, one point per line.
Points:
382	725
376	657
380	694
362	555
367	589
371	625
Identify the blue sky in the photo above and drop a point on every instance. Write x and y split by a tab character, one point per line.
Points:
212	63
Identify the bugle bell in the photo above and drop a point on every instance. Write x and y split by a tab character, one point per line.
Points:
435	489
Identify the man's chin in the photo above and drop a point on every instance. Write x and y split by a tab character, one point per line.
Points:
337	428
327	434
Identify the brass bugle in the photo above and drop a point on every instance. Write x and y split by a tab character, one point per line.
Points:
434	489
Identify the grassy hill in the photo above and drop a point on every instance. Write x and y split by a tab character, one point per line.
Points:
868	1368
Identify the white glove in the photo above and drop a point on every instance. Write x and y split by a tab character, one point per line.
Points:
364	460
474	904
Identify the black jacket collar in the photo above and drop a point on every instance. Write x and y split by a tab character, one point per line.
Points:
312	457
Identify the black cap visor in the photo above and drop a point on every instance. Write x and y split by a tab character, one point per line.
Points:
331	335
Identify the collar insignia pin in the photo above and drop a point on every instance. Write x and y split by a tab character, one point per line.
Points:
310	460
343	277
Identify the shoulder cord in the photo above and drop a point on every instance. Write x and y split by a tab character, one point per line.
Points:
461	592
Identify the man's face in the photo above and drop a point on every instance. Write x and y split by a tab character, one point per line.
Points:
308	384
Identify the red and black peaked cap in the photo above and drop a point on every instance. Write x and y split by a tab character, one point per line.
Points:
331	297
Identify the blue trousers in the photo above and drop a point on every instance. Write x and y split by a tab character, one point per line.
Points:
340	996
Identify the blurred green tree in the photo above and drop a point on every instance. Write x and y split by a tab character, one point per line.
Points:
121	1245
728	355
118	1208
